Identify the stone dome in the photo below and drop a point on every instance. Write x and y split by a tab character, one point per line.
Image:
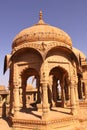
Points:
41	32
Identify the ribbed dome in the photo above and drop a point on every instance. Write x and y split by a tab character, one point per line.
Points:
41	32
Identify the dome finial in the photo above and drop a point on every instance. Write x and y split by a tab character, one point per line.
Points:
40	15
41	18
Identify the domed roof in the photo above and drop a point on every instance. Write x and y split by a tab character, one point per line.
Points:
41	32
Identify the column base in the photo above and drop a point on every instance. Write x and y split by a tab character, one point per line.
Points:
39	107
45	110
16	114
45	116
85	99
74	111
53	104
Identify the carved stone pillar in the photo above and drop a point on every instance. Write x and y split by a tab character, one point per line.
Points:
45	105
20	94
63	93
16	90
82	91
55	92
76	93
50	93
73	98
11	111
16	100
73	90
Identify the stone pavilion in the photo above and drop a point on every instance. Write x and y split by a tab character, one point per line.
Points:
46	53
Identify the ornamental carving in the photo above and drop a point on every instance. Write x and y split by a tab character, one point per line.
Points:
33	36
41	46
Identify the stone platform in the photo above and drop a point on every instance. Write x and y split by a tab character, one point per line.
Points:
58	119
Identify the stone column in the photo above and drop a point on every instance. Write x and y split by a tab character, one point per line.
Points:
45	105
62	94
44	80
20	94
73	98
82	89
55	92
76	93
16	100
68	92
16	90
75	84
11	111
63	91
50	95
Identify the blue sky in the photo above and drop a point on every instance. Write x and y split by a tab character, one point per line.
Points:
15	15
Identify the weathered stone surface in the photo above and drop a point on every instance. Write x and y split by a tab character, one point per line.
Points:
59	74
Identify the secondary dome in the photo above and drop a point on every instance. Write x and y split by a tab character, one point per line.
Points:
41	32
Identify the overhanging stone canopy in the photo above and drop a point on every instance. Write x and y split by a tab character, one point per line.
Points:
41	32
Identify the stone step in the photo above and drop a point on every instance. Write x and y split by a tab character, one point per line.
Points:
83	104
